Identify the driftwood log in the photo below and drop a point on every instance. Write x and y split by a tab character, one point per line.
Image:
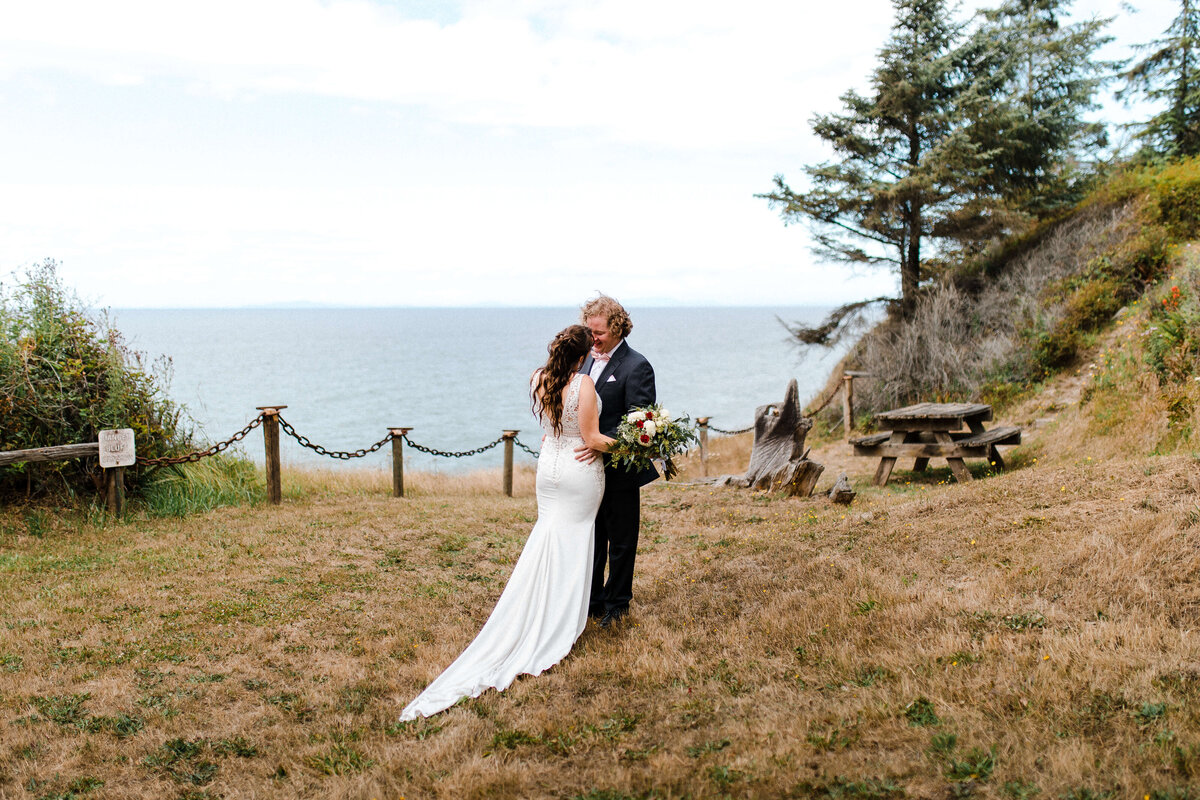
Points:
778	460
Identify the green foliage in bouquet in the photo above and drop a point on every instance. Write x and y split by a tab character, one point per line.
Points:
64	376
650	434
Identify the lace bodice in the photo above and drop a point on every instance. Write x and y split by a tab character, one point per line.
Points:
570	412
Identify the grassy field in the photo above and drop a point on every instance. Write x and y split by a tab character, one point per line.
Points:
1029	633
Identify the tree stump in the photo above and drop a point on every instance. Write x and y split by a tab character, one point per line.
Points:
778	459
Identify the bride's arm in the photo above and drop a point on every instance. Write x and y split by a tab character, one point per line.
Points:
589	418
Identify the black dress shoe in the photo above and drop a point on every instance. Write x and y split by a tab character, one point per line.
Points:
612	617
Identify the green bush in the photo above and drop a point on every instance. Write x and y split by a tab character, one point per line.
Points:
64	376
1172	192
1089	303
1172	344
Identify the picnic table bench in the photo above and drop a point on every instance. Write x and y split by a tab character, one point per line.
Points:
935	430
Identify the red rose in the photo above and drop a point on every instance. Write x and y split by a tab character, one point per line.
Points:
649	415
641	424
645	439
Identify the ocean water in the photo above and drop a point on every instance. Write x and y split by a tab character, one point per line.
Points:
456	376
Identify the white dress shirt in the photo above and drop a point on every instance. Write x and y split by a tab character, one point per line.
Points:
598	366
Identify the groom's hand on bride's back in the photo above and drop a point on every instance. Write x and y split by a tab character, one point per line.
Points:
585	454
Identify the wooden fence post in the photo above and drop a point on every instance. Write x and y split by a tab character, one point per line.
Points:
271	442
703	423
398	460
848	403
508	460
114	490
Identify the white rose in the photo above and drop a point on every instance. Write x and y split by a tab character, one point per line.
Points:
649	428
637	416
664	415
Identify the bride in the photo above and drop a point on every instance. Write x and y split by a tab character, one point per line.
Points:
543	609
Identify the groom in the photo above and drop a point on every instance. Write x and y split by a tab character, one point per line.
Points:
624	379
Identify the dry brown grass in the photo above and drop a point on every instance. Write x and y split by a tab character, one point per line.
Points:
299	482
1034	629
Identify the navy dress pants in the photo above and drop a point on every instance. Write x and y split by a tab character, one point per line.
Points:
617	524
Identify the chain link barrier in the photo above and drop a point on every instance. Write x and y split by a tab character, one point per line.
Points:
346	455
525	447
196	455
715	429
447	454
319	450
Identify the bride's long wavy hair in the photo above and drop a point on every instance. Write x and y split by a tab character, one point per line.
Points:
565	349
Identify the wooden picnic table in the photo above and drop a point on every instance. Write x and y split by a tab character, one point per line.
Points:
953	431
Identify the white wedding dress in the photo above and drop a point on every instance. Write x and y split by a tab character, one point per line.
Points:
543	609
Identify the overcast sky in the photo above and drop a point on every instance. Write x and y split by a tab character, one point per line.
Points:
499	152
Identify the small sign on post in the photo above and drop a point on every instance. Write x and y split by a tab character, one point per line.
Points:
116	453
117	448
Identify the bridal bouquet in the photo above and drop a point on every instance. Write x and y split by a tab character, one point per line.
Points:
650	434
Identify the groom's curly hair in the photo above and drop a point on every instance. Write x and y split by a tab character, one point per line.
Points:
566	350
619	323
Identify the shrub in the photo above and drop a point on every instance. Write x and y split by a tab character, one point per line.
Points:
1172	192
64	376
1173	340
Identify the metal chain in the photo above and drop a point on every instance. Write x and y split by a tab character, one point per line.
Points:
196	455
715	429
447	454
319	450
525	447
346	455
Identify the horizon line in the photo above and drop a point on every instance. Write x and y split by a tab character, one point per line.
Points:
300	306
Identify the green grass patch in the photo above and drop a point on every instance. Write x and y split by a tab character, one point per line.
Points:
920	713
340	759
195	487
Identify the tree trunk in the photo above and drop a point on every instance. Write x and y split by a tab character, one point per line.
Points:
910	265
778	459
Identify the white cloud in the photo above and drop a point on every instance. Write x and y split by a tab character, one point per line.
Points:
700	74
515	150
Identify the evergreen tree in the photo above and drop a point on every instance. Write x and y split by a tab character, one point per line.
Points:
1171	73
901	152
1036	78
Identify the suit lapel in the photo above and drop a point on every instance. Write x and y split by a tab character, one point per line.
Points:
617	356
587	365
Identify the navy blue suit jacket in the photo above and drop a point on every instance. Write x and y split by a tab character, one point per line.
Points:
626	382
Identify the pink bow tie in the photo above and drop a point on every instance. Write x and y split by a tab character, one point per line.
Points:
601	356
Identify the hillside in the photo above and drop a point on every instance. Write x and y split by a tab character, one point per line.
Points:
1027	633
